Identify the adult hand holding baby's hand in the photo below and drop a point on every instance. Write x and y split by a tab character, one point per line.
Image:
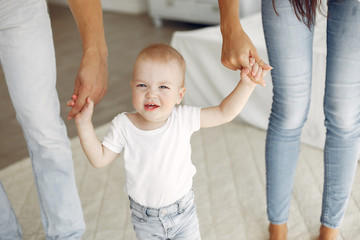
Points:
91	81
238	49
87	111
254	74
257	73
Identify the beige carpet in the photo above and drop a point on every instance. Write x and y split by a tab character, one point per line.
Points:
229	189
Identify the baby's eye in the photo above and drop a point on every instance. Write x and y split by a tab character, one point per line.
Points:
164	87
141	85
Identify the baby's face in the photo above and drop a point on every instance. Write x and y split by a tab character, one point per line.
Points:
156	88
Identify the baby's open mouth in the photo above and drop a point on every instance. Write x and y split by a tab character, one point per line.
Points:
151	106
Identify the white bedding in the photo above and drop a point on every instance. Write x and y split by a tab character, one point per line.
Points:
208	81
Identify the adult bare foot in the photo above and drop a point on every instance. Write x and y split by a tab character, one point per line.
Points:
278	231
328	233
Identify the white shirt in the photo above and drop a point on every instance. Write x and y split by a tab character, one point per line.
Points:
158	163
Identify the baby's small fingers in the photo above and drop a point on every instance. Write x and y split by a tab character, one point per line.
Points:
252	62
258	74
244	72
255	69
70	103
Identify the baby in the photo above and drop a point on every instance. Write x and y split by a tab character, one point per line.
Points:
156	142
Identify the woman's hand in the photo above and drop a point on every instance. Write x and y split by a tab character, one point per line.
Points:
238	49
253	75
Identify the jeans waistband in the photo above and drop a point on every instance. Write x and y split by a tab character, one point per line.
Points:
176	207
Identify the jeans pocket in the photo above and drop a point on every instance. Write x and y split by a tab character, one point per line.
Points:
137	216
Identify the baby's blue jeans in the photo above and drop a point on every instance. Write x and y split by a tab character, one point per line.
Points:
177	221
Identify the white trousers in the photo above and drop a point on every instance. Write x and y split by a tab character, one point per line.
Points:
28	61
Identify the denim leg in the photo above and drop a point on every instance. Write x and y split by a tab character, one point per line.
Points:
186	223
342	108
289	46
9	226
28	60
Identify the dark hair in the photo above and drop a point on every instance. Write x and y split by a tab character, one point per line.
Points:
305	10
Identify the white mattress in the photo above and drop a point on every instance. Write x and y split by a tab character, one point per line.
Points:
208	81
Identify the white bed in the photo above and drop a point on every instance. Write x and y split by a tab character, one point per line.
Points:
208	81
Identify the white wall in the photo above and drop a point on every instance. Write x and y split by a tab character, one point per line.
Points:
248	7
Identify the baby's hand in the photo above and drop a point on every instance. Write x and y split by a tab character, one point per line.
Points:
257	73
72	101
86	113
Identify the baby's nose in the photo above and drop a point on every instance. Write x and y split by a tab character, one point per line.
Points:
151	93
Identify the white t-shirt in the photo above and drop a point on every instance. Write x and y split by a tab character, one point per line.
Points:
158	163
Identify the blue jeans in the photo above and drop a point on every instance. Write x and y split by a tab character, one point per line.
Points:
177	221
28	61
289	45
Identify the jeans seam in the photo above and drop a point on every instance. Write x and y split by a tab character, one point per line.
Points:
267	189
326	188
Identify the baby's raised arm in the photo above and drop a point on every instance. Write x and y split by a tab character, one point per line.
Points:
98	155
232	105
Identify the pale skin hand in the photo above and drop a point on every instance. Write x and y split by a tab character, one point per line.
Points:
98	155
237	48
232	105
87	112
91	80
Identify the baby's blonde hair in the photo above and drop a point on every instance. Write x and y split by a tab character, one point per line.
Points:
163	53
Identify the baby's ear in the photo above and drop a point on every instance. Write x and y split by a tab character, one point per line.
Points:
181	95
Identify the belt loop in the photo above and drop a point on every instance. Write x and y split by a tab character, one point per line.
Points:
180	206
184	200
145	215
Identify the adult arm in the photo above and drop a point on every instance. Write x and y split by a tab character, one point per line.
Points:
237	48
92	77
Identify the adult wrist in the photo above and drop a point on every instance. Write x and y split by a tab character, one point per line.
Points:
229	27
100	50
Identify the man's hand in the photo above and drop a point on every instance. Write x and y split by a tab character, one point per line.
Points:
91	81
